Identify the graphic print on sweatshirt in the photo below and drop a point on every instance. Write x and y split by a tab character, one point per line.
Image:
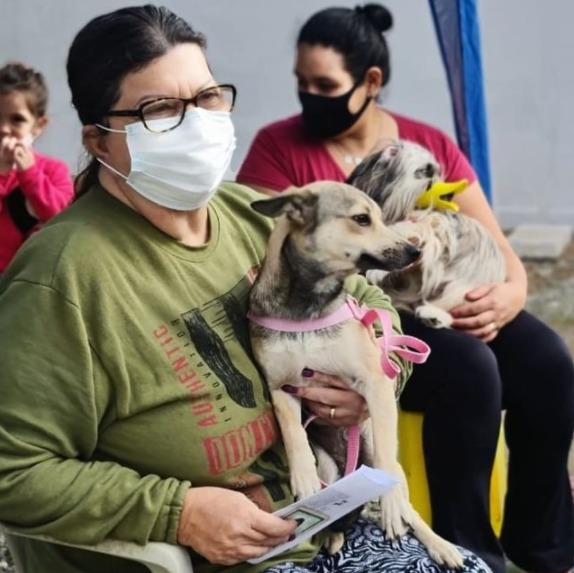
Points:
198	345
209	353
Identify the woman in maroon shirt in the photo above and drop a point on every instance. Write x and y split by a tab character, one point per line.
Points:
496	355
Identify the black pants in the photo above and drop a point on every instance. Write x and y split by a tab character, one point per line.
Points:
528	371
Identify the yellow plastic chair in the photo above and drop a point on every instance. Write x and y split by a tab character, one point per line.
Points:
157	557
412	460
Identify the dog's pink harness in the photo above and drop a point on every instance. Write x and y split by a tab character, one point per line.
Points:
408	347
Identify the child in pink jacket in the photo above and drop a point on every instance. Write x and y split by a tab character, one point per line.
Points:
33	187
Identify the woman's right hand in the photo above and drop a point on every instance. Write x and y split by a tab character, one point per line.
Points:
227	528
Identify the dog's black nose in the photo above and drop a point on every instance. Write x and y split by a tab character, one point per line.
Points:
412	252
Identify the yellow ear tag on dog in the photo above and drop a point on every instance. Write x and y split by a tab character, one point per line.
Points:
435	196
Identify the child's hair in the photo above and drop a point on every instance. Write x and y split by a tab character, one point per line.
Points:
15	76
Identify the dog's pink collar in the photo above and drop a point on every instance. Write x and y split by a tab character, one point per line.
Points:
344	312
407	347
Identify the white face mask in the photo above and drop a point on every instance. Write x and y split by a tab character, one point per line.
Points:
179	169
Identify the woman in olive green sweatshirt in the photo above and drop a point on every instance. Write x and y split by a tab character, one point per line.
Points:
131	407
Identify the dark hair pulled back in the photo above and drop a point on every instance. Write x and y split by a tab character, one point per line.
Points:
356	33
110	47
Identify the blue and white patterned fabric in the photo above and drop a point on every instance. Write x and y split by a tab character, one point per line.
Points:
366	549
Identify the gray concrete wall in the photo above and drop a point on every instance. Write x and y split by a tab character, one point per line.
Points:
250	43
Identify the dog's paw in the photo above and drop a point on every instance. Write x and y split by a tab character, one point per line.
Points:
433	316
333	542
304	484
445	553
396	513
372	510
441	550
376	276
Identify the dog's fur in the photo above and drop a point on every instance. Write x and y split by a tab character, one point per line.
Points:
327	232
458	253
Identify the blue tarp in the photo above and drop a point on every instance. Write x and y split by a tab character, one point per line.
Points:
456	25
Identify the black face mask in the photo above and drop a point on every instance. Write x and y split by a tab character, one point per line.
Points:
326	116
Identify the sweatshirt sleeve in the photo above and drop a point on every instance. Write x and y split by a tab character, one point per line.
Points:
373	297
54	398
47	186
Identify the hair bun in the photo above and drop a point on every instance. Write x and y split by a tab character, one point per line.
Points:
379	16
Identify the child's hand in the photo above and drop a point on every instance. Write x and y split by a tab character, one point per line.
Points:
23	156
7	145
15	152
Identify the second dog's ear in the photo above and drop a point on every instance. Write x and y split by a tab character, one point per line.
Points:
297	205
390	151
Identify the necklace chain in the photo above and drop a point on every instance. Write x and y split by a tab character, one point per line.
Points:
352	159
348	157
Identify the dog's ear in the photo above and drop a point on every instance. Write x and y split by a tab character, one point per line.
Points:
391	150
297	205
372	166
272	207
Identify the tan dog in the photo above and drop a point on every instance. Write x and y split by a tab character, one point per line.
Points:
326	232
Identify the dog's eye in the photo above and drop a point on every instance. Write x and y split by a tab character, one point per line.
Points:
363	220
427	171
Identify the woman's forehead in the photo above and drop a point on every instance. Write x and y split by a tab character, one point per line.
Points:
319	60
181	72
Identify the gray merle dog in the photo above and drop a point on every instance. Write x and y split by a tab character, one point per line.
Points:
458	253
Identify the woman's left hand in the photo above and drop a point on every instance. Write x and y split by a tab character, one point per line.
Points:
331	400
488	309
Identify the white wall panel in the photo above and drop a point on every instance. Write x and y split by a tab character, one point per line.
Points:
527	48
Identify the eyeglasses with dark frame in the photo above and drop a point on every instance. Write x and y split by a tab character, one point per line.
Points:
215	98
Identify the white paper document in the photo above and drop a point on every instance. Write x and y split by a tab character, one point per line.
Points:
319	510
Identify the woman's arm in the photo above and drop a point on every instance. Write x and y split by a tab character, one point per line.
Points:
55	395
497	304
